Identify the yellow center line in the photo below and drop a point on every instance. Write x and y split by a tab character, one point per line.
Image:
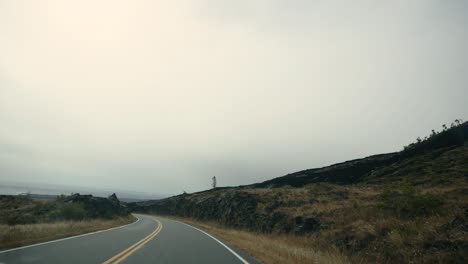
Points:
130	250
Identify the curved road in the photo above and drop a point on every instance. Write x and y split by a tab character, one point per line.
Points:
149	240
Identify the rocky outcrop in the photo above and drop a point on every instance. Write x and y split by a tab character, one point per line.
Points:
232	208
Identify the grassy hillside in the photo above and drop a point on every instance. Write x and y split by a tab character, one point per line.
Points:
355	171
404	207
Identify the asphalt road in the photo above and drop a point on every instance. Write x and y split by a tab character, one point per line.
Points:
149	240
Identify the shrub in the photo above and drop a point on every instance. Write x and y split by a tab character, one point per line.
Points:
71	211
406	201
13	220
20	219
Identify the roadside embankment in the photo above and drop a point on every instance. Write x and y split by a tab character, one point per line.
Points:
25	221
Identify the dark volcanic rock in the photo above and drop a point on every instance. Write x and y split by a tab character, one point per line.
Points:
306	224
231	208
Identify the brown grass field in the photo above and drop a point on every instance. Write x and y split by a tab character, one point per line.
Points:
271	248
22	235
356	229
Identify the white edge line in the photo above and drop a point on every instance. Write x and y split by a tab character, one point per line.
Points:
228	248
66	238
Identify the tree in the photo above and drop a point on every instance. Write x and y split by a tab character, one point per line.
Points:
213	183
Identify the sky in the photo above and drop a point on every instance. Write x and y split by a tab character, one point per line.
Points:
159	96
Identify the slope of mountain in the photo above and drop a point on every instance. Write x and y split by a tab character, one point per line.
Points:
408	206
355	171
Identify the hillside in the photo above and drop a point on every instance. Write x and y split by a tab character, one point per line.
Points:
409	206
356	171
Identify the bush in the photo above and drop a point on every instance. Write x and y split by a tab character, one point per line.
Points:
20	219
71	211
406	201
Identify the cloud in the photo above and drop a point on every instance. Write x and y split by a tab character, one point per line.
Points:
162	95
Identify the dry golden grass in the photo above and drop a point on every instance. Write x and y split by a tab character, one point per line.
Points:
411	211
355	229
21	235
272	248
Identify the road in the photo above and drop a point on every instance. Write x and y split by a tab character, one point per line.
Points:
148	240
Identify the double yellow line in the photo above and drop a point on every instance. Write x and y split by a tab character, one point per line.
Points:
130	250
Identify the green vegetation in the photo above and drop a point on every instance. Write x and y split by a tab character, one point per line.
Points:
432	138
407	201
24	220
22	209
71	211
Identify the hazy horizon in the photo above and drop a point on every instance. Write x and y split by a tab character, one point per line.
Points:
16	188
159	96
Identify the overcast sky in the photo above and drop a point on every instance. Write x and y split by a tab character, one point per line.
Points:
159	96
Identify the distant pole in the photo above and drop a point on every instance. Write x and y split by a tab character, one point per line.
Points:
213	182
